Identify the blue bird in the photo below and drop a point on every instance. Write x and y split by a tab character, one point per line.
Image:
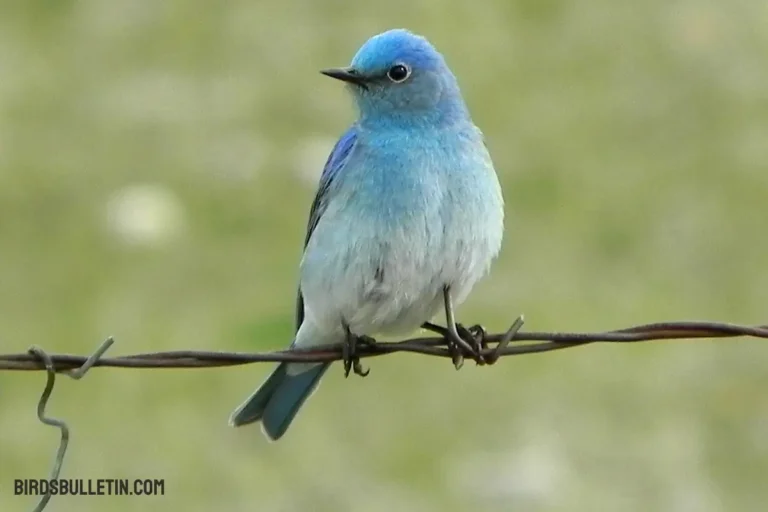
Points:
408	216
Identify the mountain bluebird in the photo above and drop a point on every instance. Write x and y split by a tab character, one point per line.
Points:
407	218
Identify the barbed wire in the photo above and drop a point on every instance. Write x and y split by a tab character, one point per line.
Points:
432	346
490	348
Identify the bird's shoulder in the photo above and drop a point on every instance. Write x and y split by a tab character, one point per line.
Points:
340	153
333	165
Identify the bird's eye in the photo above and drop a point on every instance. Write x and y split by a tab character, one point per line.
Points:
398	73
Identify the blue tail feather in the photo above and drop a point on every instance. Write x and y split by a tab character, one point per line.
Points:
278	400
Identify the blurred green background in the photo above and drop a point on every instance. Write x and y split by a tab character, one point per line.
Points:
157	162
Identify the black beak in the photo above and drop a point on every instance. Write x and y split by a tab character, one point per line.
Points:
346	75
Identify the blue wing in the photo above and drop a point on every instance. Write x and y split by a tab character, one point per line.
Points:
333	165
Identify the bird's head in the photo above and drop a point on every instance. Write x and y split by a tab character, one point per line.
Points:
398	75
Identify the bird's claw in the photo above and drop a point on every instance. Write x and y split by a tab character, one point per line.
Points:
459	339
351	358
475	336
457	355
466	342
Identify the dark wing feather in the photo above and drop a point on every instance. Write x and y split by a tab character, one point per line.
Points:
333	165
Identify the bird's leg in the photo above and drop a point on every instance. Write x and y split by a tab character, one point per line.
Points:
349	353
456	344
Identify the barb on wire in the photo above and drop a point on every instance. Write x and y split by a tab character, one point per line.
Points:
42	356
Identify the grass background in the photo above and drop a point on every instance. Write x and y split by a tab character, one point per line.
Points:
157	161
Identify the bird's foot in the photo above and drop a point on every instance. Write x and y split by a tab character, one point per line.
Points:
456	352
351	358
466	342
471	341
457	345
475	336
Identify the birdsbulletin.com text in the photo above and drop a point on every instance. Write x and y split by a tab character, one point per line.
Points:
89	487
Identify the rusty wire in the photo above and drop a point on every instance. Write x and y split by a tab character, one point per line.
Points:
432	346
494	346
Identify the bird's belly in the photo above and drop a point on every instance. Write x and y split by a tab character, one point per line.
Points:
374	277
399	304
391	282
